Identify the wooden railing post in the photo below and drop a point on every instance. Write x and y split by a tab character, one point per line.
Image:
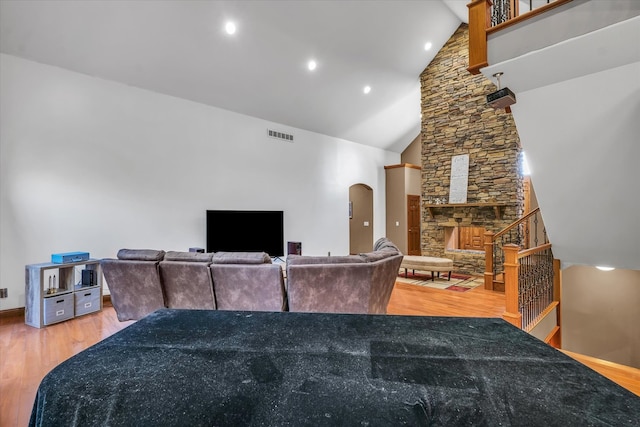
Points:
479	21
556	341
511	267
488	260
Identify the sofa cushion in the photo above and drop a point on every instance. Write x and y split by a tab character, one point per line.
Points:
187	284
241	258
249	287
135	286
188	256
306	259
141	254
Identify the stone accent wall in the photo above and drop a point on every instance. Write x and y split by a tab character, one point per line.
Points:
457	120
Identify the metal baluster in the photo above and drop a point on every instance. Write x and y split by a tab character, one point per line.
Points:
500	12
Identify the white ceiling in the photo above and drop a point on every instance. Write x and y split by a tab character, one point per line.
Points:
179	48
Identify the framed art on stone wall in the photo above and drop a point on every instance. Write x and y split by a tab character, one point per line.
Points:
459	179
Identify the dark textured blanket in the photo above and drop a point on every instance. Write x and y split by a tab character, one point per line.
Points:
192	368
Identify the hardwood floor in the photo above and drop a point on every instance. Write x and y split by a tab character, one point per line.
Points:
27	354
424	301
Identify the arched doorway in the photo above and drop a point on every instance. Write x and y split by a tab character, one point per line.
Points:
360	219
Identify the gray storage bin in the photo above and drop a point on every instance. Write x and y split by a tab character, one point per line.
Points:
58	308
87	301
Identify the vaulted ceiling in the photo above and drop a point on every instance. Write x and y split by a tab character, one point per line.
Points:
180	48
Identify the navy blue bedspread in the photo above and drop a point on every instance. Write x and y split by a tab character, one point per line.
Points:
222	368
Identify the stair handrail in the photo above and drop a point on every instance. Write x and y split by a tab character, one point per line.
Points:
515	224
532	289
494	254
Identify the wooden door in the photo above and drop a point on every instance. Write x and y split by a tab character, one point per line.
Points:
413	225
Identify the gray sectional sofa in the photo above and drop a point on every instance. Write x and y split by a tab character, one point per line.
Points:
144	280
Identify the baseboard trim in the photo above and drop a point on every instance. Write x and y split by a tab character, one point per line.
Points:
12	312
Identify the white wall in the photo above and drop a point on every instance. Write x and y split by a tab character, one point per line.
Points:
584	163
600	315
92	165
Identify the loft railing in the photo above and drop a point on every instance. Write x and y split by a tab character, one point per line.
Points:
519	261
535	283
489	16
527	232
504	10
532	290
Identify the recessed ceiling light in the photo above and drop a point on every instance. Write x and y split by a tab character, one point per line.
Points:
230	28
366	89
311	65
427	46
603	268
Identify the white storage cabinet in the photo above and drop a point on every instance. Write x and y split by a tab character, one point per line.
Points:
54	292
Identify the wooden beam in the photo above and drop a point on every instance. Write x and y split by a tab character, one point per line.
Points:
479	22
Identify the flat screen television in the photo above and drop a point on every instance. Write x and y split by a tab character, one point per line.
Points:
246	231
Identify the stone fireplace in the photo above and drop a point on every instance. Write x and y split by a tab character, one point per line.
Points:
456	120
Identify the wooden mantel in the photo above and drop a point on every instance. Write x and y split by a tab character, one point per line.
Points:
497	207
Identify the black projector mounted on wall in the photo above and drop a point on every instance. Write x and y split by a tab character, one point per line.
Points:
502	98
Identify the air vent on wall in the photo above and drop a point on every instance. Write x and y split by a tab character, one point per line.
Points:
280	135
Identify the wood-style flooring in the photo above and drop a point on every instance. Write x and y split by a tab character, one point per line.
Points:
27	354
424	301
